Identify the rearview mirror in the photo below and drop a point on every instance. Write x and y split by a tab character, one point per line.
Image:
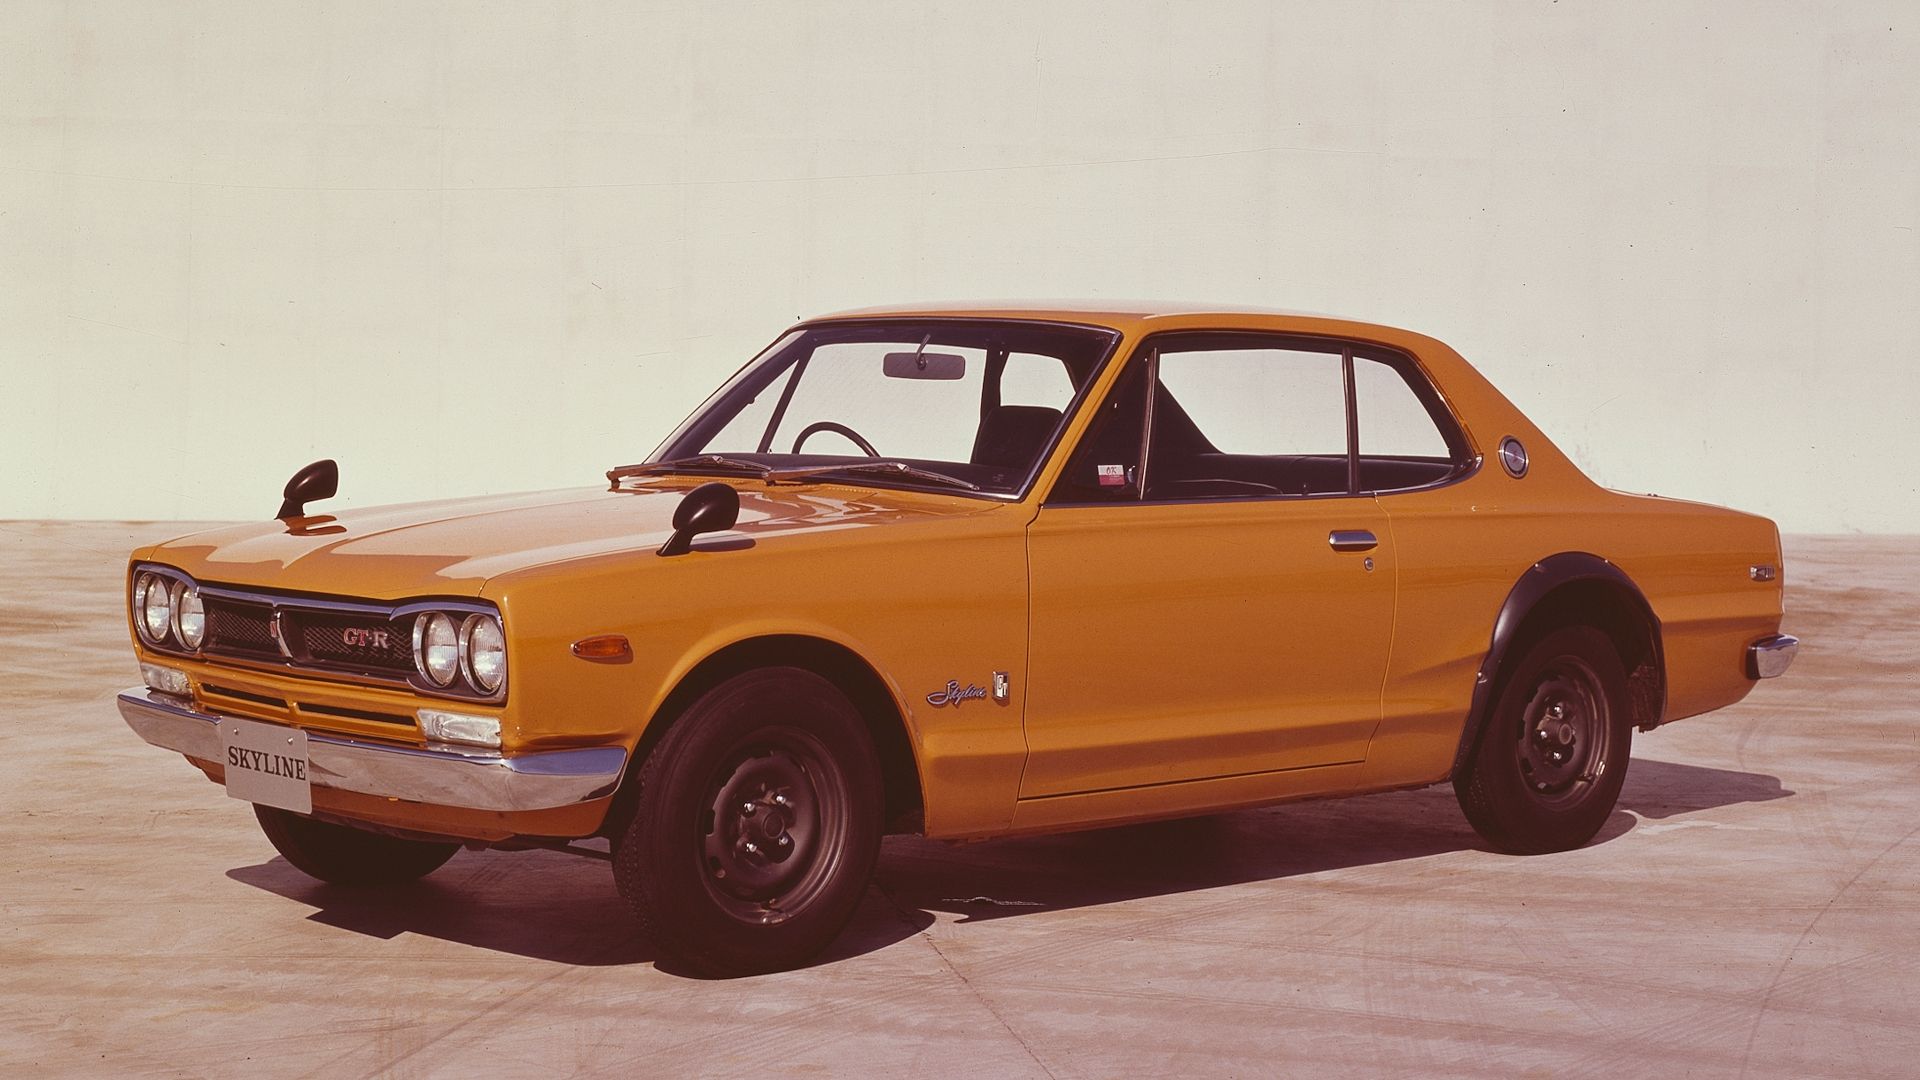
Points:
945	367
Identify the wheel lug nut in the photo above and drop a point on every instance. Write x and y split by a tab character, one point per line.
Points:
751	848
785	840
747	809
782	802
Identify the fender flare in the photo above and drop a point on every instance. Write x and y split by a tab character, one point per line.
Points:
1540	580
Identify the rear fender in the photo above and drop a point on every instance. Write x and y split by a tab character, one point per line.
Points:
1538	584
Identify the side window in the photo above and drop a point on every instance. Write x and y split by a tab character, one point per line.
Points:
1229	421
1256	401
1247	423
1401	445
1239	416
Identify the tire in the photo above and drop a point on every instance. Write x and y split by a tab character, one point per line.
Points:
757	825
1549	765
347	856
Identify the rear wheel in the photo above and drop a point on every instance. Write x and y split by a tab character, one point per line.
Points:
757	825
348	856
1550	763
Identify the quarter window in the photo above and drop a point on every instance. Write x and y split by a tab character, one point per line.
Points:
1393	420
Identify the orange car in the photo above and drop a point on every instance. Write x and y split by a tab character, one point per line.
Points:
965	573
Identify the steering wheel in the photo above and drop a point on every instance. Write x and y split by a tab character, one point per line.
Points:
837	429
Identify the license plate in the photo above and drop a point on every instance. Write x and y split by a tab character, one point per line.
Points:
266	764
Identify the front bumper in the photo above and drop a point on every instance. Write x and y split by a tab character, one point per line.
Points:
471	779
1771	656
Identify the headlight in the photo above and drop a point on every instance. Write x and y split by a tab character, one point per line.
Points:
484	648
153	600
436	648
189	615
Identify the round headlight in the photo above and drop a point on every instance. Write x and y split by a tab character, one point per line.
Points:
485	649
156	608
189	615
141	583
436	648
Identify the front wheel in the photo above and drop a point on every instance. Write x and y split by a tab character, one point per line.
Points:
1550	763
347	856
757	825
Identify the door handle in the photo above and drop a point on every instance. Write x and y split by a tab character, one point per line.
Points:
1352	540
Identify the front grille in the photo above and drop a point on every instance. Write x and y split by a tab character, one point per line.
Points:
243	695
234	626
248	703
359	639
350	640
358	714
361	642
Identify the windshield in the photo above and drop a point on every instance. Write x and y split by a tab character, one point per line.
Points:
950	404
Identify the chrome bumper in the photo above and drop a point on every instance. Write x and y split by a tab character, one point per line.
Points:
1771	656
440	775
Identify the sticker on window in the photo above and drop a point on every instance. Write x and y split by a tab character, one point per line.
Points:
1111	475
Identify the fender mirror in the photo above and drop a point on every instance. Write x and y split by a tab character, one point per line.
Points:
708	508
317	481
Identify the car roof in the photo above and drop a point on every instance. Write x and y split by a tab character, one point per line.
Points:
1119	314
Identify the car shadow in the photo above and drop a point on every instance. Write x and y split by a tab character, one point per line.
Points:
538	904
563	908
999	879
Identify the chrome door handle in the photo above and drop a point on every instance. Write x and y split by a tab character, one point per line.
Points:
1352	540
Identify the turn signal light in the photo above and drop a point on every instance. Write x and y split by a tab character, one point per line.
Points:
165	679
441	726
604	649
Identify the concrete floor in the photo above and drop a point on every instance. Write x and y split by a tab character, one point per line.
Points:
1749	911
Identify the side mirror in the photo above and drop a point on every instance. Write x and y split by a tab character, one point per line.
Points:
317	481
708	508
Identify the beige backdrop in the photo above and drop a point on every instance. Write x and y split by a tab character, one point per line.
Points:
468	248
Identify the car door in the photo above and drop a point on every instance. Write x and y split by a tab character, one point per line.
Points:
1209	595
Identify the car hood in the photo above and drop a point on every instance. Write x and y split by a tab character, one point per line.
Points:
453	547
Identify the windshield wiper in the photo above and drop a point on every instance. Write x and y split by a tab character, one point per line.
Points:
697	462
896	468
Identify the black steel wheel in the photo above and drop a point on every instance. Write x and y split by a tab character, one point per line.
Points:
1548	768
348	856
757	825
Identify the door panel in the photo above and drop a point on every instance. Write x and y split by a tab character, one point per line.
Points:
1181	641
